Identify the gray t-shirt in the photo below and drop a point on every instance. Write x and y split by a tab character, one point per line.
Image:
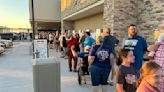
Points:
127	76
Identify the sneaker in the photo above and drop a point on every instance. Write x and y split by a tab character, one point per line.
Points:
65	57
111	83
75	71
61	56
70	70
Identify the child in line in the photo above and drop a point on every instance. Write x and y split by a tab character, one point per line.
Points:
84	56
150	79
127	74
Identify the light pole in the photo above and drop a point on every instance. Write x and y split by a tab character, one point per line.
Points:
33	23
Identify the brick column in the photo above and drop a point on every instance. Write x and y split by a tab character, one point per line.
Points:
67	25
151	17
118	14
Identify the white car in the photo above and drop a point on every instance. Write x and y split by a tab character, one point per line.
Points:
2	50
2	45
8	43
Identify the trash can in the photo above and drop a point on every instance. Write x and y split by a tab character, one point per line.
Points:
46	75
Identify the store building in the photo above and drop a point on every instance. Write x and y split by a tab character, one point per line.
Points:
47	15
147	15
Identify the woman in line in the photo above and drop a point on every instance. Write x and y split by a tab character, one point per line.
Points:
101	60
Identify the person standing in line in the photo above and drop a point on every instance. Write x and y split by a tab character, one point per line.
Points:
56	41
101	60
81	41
89	41
71	43
150	79
137	44
50	38
111	42
127	74
64	45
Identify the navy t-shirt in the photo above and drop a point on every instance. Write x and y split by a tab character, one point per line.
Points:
127	76
102	56
138	45
111	41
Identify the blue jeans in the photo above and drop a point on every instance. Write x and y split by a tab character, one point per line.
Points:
64	51
99	75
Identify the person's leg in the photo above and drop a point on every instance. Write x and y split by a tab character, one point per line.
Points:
64	51
104	88
95	78
57	46
95	89
104	79
69	58
75	63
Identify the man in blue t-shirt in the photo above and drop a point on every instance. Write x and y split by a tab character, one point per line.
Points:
137	44
112	41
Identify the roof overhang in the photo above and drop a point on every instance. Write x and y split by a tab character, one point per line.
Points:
95	8
47	25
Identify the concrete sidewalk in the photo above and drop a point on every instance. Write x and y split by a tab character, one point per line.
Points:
16	71
69	81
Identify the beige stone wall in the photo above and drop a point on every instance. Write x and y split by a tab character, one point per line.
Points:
118	14
91	22
67	25
77	5
108	19
148	15
151	17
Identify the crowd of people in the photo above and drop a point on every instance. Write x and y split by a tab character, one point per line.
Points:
129	70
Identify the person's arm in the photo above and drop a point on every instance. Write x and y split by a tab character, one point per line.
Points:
144	45
93	41
156	45
113	63
120	80
69	38
91	56
119	87
91	59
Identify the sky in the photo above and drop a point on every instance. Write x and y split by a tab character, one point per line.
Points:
14	13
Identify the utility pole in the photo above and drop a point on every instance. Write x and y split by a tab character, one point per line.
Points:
33	23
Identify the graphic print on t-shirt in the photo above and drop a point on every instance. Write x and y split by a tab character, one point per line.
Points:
102	55
130	78
130	44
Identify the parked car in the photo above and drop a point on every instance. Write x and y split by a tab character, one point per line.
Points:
8	43
2	50
2	45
